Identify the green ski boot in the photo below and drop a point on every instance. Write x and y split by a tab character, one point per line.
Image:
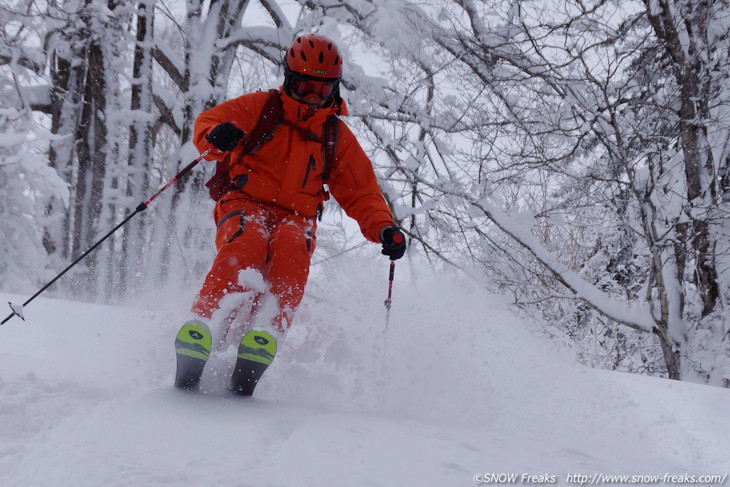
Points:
192	347
255	353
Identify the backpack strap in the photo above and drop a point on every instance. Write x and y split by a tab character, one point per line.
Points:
269	120
330	133
306	134
220	184
271	117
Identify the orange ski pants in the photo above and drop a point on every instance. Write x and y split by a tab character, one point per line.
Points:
272	240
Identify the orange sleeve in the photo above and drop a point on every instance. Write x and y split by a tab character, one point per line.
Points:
355	187
243	111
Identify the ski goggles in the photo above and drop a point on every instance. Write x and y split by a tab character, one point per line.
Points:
311	88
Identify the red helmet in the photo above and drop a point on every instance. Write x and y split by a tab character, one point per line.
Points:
314	55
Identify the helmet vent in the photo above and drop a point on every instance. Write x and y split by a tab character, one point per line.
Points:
314	55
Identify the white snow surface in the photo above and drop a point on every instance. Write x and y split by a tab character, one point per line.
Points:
455	388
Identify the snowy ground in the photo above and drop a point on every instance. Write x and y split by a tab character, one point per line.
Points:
456	390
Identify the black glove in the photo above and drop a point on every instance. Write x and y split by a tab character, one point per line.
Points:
225	136
394	242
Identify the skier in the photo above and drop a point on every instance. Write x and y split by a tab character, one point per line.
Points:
266	214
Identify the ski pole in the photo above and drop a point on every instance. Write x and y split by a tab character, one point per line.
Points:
18	310
389	299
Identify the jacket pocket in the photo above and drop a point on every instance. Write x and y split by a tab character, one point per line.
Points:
311	166
237	225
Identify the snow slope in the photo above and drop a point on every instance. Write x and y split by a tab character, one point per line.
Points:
456	387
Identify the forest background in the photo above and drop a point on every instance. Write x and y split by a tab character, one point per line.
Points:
572	154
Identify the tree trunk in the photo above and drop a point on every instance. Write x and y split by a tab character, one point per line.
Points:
688	59
140	148
66	92
671	356
225	15
91	138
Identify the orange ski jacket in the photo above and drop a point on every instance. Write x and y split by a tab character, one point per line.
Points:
286	171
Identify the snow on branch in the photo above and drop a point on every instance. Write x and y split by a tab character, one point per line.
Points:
256	36
634	315
166	59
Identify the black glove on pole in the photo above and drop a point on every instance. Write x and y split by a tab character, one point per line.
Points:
394	242
18	310
225	136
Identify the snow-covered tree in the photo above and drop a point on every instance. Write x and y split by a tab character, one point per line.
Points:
27	182
593	134
574	154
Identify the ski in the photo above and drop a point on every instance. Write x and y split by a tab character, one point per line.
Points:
192	348
255	353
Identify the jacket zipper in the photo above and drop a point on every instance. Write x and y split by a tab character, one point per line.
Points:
312	164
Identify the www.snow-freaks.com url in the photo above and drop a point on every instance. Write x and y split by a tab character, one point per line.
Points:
600	479
604	479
